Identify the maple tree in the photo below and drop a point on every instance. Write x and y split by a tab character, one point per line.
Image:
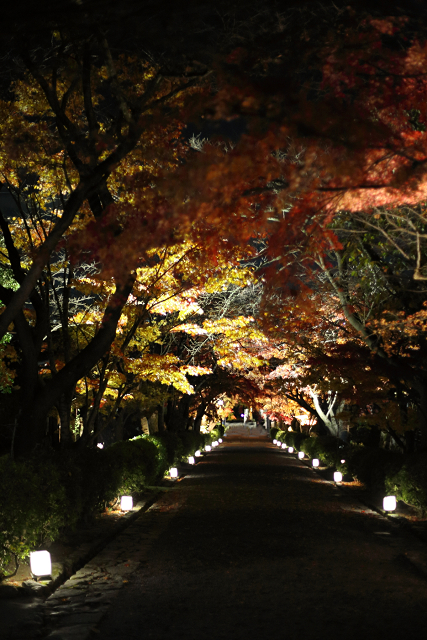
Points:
152	344
94	133
78	194
353	329
111	179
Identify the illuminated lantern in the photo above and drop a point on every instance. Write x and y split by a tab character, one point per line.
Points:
40	563
208	447
191	460
126	503
173	472
300	455
389	503
337	476
290	450
275	441
315	462
342	461
100	445
215	444
283	446
220	440
198	453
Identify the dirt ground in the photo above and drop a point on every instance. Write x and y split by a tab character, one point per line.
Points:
258	545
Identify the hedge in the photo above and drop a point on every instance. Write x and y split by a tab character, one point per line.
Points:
391	472
43	494
273	433
410	482
294	439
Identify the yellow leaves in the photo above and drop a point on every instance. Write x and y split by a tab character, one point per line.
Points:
191	329
195	370
163	369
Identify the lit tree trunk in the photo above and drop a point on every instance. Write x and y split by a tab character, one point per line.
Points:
199	415
31	428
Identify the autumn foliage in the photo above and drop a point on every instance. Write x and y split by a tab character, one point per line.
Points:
147	271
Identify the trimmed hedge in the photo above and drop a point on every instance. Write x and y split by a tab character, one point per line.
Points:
280	435
273	433
391	472
327	448
43	494
372	465
33	506
215	433
294	439
410	482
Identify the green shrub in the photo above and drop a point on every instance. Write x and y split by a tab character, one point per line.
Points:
90	478
172	444
214	434
410	482
221	429
372	465
191	441
43	494
33	506
294	439
280	435
308	446
133	465
273	433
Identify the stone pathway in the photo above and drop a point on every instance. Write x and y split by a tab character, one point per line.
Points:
73	610
249	429
264	547
79	603
250	543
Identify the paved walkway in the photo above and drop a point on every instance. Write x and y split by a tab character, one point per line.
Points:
249	429
250	544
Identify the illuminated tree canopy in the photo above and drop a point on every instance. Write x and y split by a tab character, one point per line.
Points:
237	208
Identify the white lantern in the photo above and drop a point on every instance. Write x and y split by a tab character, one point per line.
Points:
342	461
220	440
289	428
126	503
40	563
208	447
215	443
290	449
191	460
315	462
173	472
283	446
100	445
337	476
274	441
300	455
389	503
198	453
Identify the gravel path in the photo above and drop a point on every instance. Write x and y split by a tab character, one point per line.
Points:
254	544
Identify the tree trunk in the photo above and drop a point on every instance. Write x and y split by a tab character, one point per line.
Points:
64	410
31	427
177	416
161	417
199	415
